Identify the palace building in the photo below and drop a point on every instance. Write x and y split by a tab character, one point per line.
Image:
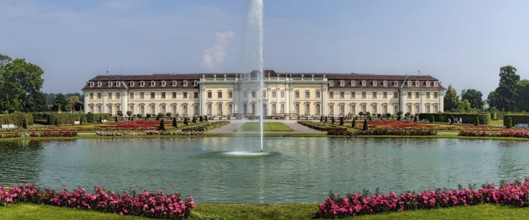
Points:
285	95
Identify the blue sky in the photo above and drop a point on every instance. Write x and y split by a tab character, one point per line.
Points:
462	43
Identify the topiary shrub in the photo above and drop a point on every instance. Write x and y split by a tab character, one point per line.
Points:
175	125
341	121
185	121
162	125
509	122
353	124
365	126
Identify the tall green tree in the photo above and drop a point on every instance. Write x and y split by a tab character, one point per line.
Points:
451	99
474	97
59	103
506	91
522	95
20	84
492	99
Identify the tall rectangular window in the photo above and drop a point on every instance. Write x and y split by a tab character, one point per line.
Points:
210	94
318	94
109	95
184	95
416	95
307	94
282	94
118	95
196	95
174	95
427	95
374	95
395	95
274	94
253	94
364	95
98	95
342	95
163	95
385	95
219	94
353	95
91	96
153	95
296	94
331	95
142	95
131	95
230	94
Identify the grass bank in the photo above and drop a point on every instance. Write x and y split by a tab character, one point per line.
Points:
291	211
267	127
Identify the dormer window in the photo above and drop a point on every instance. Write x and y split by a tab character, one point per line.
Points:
396	83
427	83
173	83
342	82
331	83
118	83
163	83
153	83
131	83
435	84
142	83
374	83
409	83
91	84
363	83
416	83
352	83
385	83
99	84
185	83
195	83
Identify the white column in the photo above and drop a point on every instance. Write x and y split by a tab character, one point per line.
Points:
104	107
124	102
324	103
421	109
402	100
441	102
202	96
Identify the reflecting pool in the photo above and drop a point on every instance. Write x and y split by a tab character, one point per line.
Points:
298	169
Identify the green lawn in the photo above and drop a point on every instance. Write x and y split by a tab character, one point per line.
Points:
291	211
268	127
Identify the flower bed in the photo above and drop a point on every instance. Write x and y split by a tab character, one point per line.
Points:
205	126
397	131
321	126
54	134
149	132
10	135
520	133
515	194
152	205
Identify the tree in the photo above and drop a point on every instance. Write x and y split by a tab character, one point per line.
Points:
451	100
73	104
506	91
185	121
353	124
522	96
175	125
162	125
474	97
59	103
341	121
464	106
20	84
492	99
365	125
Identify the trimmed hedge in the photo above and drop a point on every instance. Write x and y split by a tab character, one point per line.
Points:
68	118
322	126
204	126
468	118
516	119
16	119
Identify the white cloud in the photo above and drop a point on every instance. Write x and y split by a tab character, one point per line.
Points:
213	58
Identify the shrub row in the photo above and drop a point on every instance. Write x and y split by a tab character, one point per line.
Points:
151	205
516	119
205	126
397	131
16	119
54	134
514	194
68	118
339	132
322	126
468	118
150	132
521	133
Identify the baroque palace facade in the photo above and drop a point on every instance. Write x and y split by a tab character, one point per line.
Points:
285	95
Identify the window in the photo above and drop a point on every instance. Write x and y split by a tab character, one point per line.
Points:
173	83
109	95
416	83
374	109
296	108
131	83
384	109
296	94
142	84
364	108
195	95
91	96
219	94
342	95
109	84
184	95
307	109
273	94
99	84
331	95
416	95
363	83
435	84
195	109
331	83
331	110
395	83
163	95
307	94
318	111
163	83
282	108
417	109
395	95
91	84
427	95
385	95
318	95
195	82
118	83
230	109
153	95
173	109
364	95
253	108
374	95
409	95
273	109
282	94
118	95
253	94
342	82
435	95
385	83
142	95
219	109
209	109
427	83
185	84
210	94
162	109
153	83
374	83
352	83
409	83
342	109
353	109
230	94
353	95
174	95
